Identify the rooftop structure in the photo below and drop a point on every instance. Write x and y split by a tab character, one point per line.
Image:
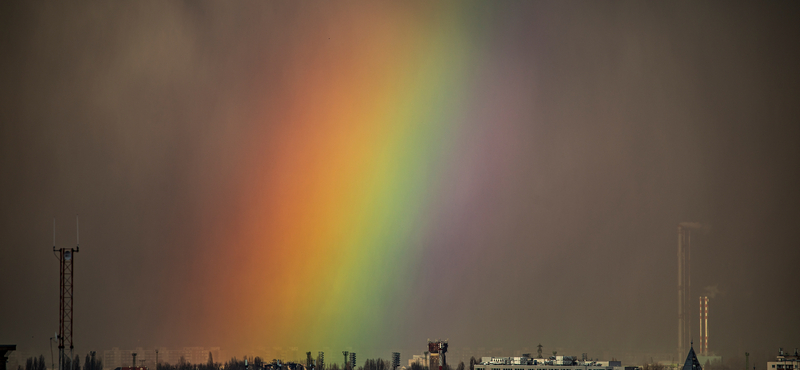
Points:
437	350
785	361
5	348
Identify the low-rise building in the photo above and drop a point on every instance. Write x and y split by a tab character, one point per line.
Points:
785	361
551	363
417	359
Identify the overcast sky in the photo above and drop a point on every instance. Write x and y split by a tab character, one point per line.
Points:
590	131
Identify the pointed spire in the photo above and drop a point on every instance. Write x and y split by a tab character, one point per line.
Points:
691	360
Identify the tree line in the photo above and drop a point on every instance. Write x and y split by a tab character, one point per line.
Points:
92	362
257	363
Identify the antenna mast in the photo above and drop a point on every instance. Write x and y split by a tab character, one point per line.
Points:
66	259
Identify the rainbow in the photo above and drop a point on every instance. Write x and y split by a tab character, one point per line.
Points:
356	145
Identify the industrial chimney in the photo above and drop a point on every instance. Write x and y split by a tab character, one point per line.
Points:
704	325
685	282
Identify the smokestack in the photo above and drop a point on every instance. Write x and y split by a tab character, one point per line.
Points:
704	325
685	282
702	338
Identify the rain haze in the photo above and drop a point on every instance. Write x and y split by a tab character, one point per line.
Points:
370	175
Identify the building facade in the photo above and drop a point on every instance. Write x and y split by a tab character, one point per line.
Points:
552	363
784	361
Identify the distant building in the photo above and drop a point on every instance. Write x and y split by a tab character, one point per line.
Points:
526	362
785	361
417	359
709	360
122	358
433	361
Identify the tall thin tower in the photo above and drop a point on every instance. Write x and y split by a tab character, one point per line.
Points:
66	258
685	283
704	325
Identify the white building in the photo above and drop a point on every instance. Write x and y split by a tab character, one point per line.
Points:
785	361
552	363
417	359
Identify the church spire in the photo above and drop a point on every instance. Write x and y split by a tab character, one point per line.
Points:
691	362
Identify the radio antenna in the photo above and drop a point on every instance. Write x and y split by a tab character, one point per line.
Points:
66	257
77	232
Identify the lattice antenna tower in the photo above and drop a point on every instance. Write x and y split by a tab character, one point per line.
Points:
66	258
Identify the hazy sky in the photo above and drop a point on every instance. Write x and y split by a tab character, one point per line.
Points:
316	174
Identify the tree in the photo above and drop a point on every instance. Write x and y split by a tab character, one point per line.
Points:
210	365
460	366
653	367
377	364
184	365
161	366
715	365
370	364
96	362
92	362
